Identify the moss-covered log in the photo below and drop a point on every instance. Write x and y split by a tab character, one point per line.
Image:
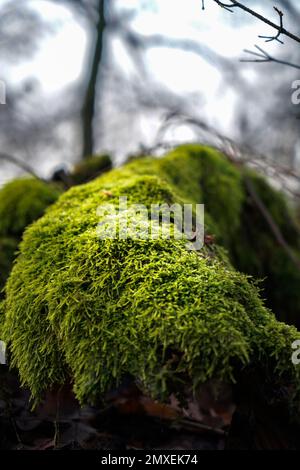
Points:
98	310
237	222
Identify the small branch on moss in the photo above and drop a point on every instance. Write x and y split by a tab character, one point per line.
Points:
233	150
238	155
272	224
19	163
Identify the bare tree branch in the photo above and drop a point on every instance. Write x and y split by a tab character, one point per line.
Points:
281	31
264	56
24	166
279	28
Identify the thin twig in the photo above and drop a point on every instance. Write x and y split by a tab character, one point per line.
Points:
24	166
272	224
264	56
192	425
279	28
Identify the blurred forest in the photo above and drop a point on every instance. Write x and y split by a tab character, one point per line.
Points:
118	105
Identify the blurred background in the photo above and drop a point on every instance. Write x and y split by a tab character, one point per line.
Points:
125	77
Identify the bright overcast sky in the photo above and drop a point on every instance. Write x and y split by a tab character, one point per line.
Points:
60	58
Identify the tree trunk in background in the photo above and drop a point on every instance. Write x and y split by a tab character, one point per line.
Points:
88	109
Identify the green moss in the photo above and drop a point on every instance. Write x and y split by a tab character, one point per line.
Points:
199	175
8	248
256	251
90	168
203	175
23	201
97	310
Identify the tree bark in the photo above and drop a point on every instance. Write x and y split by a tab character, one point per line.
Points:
89	104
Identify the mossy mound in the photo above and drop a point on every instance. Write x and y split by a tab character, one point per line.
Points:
203	175
199	174
22	201
99	310
91	168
